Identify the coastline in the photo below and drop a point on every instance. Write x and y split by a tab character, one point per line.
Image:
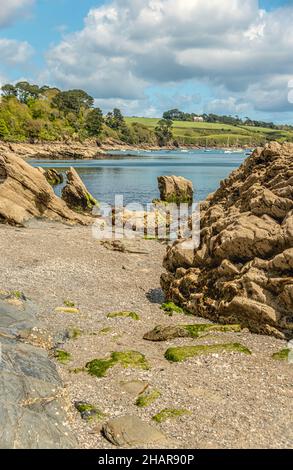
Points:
88	150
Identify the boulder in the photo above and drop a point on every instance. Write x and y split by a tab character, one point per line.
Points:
131	431
52	176
76	195
25	193
242	270
175	189
32	406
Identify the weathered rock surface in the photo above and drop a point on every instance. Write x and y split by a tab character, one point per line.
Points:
175	189
242	270
31	391
76	195
53	150
52	176
131	431
25	193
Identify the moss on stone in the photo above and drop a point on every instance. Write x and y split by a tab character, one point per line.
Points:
198	330
124	314
169	413
170	308
89	412
148	398
69	303
179	354
62	356
73	333
105	331
66	310
282	355
127	359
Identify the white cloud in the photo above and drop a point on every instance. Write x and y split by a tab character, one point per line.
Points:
12	9
13	52
127	45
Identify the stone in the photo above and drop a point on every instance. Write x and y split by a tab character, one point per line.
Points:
32	403
165	333
242	271
175	189
52	176
76	195
131	431
25	194
134	387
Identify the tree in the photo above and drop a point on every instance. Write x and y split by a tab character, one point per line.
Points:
115	120
94	122
9	90
4	132
72	101
26	91
164	132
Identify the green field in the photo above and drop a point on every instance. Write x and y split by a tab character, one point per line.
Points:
218	134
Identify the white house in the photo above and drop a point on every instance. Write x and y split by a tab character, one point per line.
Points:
198	119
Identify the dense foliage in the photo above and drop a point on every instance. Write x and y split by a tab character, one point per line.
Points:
41	114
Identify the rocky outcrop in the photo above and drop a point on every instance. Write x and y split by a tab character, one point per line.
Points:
175	189
25	193
32	399
76	195
52	176
242	270
53	150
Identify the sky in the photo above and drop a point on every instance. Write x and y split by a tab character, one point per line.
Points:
147	56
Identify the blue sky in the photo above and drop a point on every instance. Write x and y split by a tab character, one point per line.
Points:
232	56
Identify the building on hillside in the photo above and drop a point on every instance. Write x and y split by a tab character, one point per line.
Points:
198	119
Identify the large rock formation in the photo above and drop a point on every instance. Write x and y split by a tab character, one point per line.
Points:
242	270
32	399
25	193
175	189
53	150
76	195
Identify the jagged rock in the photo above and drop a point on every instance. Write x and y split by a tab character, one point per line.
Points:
25	193
53	151
31	391
131	431
76	195
242	270
52	176
175	189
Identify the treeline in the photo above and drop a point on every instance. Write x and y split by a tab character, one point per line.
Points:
177	115
43	114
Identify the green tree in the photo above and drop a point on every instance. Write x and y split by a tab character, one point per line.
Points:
115	119
4	132
72	101
9	90
164	132
94	122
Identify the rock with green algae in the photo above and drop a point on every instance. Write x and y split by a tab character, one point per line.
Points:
69	303
62	356
181	353
170	309
148	398
127	359
73	333
106	331
89	412
169	413
70	310
164	333
76	195
282	355
124	314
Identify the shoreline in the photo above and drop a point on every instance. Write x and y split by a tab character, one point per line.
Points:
88	150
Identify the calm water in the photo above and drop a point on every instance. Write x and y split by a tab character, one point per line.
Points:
135	176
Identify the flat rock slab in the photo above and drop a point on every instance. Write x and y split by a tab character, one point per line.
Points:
31	403
130	430
134	387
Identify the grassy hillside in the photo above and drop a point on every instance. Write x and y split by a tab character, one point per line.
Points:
203	133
